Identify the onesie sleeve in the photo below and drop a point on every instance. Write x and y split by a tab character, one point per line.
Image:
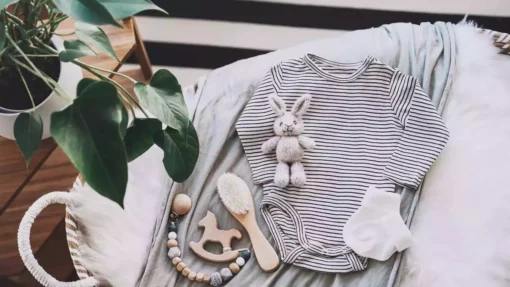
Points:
255	126
424	136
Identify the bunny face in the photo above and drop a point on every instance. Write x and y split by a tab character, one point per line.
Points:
289	123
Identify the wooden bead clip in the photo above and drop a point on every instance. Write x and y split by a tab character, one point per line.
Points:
182	205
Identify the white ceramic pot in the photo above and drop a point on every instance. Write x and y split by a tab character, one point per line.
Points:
70	75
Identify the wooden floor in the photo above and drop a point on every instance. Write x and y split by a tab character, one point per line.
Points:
20	186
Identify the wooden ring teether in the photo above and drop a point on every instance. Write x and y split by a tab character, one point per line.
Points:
213	234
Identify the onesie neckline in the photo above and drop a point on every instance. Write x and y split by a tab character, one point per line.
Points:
310	60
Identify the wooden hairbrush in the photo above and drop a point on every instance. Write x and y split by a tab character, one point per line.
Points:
236	196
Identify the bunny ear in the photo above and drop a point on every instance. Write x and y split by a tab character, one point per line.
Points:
277	104
301	106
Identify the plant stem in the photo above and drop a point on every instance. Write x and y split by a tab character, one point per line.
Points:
26	87
14	18
16	8
35	69
107	71
33	14
91	70
53	86
83	65
130	106
36	55
130	97
104	78
52	22
6	49
46	47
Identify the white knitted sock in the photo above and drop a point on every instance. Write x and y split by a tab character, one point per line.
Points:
376	230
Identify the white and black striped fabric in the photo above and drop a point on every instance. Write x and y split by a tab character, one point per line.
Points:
198	36
372	125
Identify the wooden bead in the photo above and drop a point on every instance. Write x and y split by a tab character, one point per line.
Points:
207	278
234	268
176	260
200	277
186	271
181	266
181	204
192	275
172	243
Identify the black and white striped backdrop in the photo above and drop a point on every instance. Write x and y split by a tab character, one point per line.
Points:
200	35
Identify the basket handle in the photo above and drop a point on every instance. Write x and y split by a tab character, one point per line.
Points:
25	249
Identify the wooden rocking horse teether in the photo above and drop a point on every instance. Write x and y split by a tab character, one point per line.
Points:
213	234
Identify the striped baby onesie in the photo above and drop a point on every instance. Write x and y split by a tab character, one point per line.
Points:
372	125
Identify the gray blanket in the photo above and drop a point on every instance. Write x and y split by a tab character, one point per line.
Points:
425	51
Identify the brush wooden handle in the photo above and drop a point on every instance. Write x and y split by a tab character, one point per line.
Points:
266	256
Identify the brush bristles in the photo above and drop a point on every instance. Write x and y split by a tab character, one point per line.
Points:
230	189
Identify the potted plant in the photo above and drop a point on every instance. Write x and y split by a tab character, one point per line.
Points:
42	94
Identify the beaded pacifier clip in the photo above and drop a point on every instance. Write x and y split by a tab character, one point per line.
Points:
182	205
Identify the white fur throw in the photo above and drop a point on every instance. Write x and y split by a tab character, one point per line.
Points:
462	223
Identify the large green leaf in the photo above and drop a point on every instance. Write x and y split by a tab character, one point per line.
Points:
163	98
181	151
5	3
75	49
2	35
138	138
95	36
28	131
121	9
89	133
83	84
86	11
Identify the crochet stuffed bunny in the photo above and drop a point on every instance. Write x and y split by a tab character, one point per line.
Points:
288	142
